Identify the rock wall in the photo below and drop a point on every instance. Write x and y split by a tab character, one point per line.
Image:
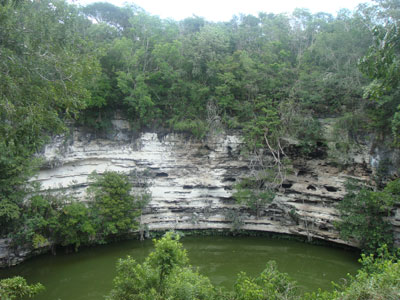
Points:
191	181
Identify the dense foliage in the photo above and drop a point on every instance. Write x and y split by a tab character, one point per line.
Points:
272	76
269	75
47	64
364	214
377	279
115	208
55	219
166	274
381	64
17	288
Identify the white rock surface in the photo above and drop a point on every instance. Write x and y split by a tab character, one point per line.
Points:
191	181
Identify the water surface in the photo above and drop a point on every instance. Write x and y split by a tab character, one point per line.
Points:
88	274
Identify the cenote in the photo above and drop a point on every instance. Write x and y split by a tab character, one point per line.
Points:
88	274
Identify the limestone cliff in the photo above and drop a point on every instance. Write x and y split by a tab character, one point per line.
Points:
191	181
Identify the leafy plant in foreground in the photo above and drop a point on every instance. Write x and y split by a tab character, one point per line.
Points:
165	274
17	287
378	279
270	284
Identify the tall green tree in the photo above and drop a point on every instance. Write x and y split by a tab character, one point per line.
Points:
114	207
381	64
46	65
364	215
165	274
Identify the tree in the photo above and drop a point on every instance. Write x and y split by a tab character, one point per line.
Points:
169	254
46	66
52	220
263	136
364	213
104	12
375	286
253	195
382	60
114	208
377	279
381	64
76	226
165	274
39	222
269	285
17	288
329	80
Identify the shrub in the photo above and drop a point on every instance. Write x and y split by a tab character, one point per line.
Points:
364	216
114	208
17	287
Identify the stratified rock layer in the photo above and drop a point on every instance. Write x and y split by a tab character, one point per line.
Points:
191	182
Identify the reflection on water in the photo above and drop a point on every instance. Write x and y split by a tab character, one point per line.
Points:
88	275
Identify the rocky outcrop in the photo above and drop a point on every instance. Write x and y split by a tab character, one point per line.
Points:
10	256
191	181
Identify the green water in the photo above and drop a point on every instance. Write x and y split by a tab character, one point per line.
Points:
88	275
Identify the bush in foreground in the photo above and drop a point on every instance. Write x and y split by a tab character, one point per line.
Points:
166	274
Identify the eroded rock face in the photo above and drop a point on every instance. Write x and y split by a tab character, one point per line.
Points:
191	181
